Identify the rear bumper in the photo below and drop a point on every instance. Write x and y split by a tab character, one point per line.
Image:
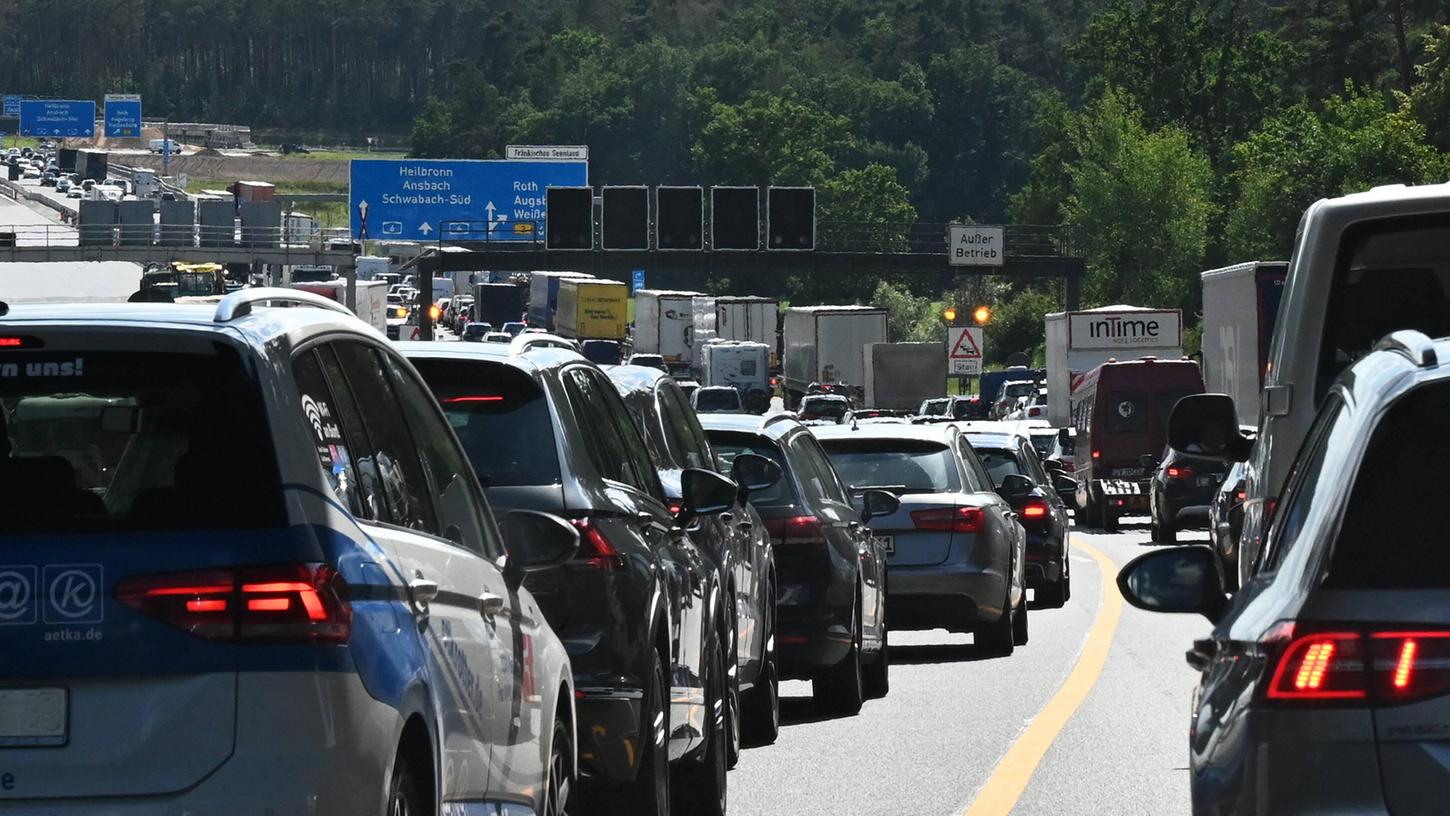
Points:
956	597
308	743
1043	570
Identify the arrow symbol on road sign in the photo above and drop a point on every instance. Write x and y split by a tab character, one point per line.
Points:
425	228
488	208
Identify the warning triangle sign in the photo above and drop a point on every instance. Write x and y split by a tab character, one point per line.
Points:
966	347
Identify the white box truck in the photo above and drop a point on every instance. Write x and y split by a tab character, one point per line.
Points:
826	344
747	318
1079	341
372	267
744	366
901	375
1240	305
664	324
372	299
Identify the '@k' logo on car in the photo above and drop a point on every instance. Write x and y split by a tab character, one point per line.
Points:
73	594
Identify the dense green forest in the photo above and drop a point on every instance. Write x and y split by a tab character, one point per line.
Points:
1176	133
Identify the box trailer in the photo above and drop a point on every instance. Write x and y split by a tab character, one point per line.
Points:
544	296
664	324
742	365
497	304
902	375
745	318
825	344
371	299
1240	307
592	309
1077	342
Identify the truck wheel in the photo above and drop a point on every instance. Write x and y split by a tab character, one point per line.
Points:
1107	517
1166	534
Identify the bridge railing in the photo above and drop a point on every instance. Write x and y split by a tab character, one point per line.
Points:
174	235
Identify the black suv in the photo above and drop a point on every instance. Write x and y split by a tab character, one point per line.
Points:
1181	492
737	541
831	594
639	608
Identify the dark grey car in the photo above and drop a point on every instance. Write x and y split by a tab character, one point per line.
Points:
736	541
640	607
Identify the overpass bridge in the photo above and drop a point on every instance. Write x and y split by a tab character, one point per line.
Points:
160	243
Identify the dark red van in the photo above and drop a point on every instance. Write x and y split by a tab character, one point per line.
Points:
1120	410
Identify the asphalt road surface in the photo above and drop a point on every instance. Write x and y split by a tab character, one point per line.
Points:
1090	717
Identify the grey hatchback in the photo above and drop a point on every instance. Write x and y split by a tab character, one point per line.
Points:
1325	682
956	555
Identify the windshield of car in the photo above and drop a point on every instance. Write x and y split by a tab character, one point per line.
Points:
717	399
1000	463
823	408
110	440
901	465
501	417
730	444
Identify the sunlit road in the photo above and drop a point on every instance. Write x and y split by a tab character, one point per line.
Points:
932	746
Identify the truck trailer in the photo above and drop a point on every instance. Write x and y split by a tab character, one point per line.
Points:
497	304
1077	342
1240	307
902	375
745	318
742	365
825	344
544	296
664	324
592	309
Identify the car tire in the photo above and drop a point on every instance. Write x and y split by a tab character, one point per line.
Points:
878	674
1165	534
649	793
997	637
1019	624
760	707
560	781
405	797
1107	518
1087	513
699	787
840	690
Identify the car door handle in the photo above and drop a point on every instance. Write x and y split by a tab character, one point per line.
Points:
490	604
745	526
421	592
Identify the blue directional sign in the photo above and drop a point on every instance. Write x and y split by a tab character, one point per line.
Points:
57	117
12	105
123	116
638	281
415	199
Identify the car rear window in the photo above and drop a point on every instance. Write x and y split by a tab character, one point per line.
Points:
708	399
729	445
1390	538
502	418
901	465
823	408
134	441
1000	463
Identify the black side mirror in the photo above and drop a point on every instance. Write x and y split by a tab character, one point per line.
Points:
1065	485
754	473
1014	485
1053	466
878	503
706	493
536	541
1179	579
1207	425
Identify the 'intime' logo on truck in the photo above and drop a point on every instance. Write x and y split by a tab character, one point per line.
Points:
1124	327
1137	329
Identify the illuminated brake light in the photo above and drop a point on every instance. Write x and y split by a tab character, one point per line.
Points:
10	342
1316	662
1406	664
1097	454
1179	472
1034	511
950	519
478	398
1319	666
290	603
796	530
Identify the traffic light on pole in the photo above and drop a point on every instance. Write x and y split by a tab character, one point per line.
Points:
569	218
680	218
982	314
626	218
791	218
735	218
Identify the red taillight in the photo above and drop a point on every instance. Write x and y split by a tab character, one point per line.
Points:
1035	510
1380	667
596	550
292	603
1097	454
10	342
676	506
1240	495
1179	473
796	529
474	398
950	519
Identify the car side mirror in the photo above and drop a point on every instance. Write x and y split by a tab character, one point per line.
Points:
1053	466
754	473
878	503
1179	579
1207	425
1015	485
1065	485
536	542
706	493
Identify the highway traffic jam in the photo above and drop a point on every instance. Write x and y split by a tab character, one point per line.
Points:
574	560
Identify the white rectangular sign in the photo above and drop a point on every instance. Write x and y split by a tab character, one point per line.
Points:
1141	329
964	350
547	152
975	246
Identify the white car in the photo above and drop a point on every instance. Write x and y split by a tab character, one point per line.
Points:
277	581
75	191
498	337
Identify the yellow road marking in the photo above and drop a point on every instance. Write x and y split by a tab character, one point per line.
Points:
1009	779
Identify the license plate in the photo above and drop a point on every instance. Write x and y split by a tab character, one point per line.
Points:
32	716
1209	480
885	542
1126	473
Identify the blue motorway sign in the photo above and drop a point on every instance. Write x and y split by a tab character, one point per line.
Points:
11	106
123	116
637	281
57	117
416	199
